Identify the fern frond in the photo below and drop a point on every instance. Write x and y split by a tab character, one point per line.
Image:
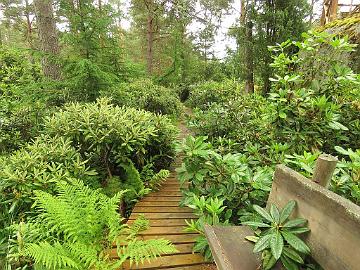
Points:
137	251
157	179
139	225
54	256
87	254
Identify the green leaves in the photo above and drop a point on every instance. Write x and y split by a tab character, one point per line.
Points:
277	239
263	243
296	242
286	211
262	212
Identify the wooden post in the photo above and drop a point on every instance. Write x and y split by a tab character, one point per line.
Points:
324	169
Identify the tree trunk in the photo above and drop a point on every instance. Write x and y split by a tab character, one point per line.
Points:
49	40
150	38
249	56
29	29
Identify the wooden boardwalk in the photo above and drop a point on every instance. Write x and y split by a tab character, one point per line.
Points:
167	221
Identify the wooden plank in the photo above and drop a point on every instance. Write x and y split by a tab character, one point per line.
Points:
165	222
161	209
181	248
165	230
164	215
174	238
160	199
169	261
143	204
167	194
169	189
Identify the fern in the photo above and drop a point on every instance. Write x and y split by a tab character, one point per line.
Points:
54	256
157	179
138	251
139	225
81	224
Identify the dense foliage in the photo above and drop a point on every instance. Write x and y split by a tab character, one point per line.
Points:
144	94
299	113
77	228
98	144
203	94
312	108
107	135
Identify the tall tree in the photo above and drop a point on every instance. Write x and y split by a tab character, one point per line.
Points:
276	21
49	40
246	25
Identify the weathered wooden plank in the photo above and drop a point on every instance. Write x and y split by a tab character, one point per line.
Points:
181	248
169	189
165	230
167	194
169	261
175	239
163	215
161	209
152	198
157	203
164	222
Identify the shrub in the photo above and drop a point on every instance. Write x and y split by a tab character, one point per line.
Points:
16	69
242	119
144	94
227	177
19	118
38	166
107	135
346	178
202	95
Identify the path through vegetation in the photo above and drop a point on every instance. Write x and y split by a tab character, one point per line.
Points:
167	221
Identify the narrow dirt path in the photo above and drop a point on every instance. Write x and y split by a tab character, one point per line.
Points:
167	220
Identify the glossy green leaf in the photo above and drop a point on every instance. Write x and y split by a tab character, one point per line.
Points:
276	245
262	243
256	224
262	212
295	222
292	254
286	211
296	242
274	211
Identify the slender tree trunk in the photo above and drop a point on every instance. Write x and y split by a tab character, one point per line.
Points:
29	29
150	38
249	54
48	38
271	37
